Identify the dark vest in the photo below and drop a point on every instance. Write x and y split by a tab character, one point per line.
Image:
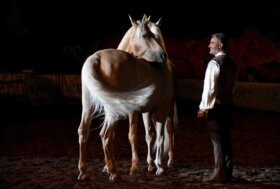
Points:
226	79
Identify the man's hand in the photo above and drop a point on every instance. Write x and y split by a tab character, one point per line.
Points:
201	114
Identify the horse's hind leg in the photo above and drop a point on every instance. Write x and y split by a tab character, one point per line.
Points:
171	123
83	132
149	139
132	136
107	135
170	131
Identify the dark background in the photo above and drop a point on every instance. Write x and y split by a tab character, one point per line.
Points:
36	34
39	143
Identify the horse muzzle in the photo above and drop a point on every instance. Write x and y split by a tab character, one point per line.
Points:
161	58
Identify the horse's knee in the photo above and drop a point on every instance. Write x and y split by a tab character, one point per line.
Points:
150	135
132	138
83	134
159	140
83	130
149	138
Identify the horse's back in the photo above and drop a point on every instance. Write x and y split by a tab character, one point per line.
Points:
121	71
112	57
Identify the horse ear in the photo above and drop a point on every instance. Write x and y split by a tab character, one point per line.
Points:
158	23
144	19
133	22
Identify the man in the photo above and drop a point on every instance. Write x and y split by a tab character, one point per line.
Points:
216	106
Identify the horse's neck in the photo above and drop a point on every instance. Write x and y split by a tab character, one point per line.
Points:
124	45
125	42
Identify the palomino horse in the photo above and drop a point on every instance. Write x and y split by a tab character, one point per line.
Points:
133	117
115	84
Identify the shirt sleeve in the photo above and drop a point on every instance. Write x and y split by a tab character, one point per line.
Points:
209	87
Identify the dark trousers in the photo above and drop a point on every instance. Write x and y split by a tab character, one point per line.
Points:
219	124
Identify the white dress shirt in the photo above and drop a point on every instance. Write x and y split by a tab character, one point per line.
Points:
209	87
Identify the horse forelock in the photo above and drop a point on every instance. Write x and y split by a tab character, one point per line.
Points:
141	30
134	32
154	28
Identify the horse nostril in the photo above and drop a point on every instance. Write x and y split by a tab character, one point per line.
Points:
164	56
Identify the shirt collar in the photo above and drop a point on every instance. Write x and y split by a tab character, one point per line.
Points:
220	53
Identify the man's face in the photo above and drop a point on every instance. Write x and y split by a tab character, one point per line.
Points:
214	46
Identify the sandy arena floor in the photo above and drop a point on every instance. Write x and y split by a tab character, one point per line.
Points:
39	149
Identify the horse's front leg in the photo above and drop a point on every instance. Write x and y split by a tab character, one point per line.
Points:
132	136
149	139
83	132
159	143
107	135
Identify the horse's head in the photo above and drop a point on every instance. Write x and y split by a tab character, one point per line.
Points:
155	29
141	41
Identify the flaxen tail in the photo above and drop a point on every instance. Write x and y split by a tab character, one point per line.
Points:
111	103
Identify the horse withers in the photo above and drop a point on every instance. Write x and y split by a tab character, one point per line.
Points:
116	83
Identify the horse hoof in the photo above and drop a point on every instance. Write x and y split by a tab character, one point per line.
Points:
151	168
105	169
83	177
159	171
170	163
133	170
113	177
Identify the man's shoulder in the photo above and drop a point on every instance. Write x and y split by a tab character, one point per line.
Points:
225	58
219	57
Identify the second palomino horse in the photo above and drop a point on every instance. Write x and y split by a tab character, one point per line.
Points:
133	117
115	84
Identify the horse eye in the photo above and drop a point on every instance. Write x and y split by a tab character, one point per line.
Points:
145	35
